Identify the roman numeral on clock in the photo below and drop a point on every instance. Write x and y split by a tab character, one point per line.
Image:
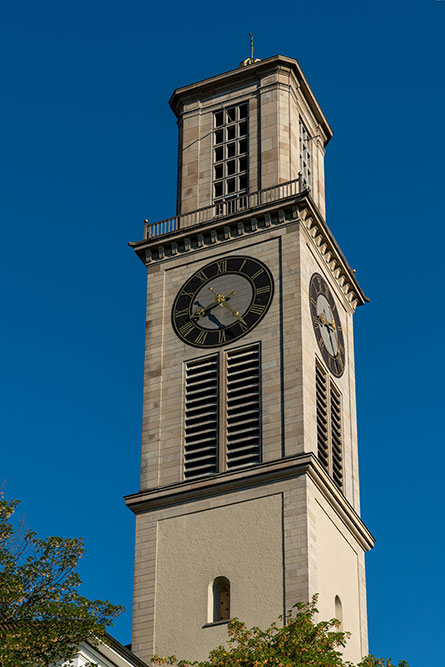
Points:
333	365
258	273
186	328
201	337
221	336
221	267
257	309
202	276
263	290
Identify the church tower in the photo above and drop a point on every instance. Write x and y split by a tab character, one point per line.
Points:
249	497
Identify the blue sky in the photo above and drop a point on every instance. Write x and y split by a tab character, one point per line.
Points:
88	150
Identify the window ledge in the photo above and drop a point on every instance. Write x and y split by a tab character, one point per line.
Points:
209	625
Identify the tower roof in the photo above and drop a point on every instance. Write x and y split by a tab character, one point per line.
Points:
233	78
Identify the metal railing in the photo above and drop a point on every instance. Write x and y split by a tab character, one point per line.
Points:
225	208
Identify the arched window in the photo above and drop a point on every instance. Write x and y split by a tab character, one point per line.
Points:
339	611
221	599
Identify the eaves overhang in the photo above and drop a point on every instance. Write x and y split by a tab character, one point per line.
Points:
286	211
288	468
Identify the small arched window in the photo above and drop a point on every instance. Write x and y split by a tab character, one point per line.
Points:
339	611
221	599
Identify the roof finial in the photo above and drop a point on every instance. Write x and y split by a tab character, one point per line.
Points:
251	60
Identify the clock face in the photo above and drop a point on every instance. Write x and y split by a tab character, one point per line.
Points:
222	301
327	326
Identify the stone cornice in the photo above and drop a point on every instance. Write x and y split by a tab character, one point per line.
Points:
260	475
317	230
299	208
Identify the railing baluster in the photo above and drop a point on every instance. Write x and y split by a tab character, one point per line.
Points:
226	207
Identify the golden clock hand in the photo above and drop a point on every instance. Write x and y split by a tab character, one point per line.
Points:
222	300
324	321
221	297
200	312
233	311
218	296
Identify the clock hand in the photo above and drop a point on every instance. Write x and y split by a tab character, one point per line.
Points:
222	300
324	321
233	311
219	301
200	312
220	297
332	344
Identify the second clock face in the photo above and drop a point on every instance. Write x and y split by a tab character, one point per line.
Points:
327	326
222	301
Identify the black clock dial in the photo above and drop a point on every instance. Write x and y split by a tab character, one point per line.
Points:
327	325
222	301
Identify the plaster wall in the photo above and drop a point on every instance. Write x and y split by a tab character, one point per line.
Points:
241	541
336	569
257	537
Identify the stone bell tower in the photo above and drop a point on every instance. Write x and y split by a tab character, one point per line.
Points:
249	496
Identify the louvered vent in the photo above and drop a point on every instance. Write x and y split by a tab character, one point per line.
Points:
201	417
243	407
322	417
336	437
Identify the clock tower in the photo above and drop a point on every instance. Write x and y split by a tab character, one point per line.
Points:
249	496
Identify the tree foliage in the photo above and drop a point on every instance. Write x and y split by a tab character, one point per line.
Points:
43	618
299	642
